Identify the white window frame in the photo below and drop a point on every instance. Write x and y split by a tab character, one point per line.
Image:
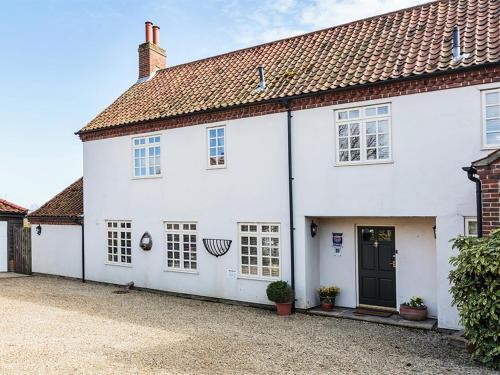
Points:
468	220
122	227
147	145
486	145
181	229
259	234
217	166
362	120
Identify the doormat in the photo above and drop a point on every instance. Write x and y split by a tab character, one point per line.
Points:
381	313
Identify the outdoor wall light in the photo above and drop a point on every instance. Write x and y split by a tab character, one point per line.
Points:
434	230
314	229
39	229
146	242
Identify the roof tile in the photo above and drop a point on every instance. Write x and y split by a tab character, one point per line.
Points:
66	204
7	207
400	44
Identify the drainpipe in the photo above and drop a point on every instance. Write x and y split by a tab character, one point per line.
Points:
80	221
286	103
471	172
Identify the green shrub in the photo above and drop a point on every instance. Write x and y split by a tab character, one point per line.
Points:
279	292
476	293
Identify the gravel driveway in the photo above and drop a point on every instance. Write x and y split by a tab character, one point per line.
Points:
57	326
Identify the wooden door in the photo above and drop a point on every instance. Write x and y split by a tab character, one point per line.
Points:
376	266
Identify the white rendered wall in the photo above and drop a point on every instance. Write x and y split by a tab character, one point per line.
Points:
415	259
4	257
433	136
253	188
57	251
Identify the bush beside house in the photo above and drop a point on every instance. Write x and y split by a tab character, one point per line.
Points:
476	292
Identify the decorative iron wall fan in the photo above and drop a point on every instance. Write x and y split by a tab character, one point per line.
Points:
217	247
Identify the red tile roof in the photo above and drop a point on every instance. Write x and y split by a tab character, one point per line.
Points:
67	204
409	42
7	207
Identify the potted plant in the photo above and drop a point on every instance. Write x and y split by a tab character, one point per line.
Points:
282	295
413	310
327	296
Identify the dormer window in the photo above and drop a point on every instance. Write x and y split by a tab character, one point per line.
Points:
146	156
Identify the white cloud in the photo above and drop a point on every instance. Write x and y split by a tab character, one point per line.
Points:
327	13
269	20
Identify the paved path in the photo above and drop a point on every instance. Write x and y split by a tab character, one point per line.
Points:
56	326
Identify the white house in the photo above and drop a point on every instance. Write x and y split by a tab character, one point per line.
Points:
56	234
361	130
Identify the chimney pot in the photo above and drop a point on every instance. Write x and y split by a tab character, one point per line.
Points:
149	31
151	56
156	35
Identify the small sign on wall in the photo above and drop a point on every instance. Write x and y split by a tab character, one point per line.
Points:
231	274
337	242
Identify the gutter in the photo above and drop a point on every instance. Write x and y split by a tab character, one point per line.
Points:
293	97
471	172
286	103
81	222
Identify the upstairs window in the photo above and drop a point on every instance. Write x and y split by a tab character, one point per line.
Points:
363	134
491	118
119	235
217	147
146	154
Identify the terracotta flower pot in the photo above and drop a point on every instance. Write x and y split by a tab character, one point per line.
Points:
327	305
413	313
284	308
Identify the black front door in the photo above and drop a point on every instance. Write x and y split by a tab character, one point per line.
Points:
376	266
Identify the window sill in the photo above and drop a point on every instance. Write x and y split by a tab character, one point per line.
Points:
267	279
490	147
192	272
217	167
118	264
350	164
147	177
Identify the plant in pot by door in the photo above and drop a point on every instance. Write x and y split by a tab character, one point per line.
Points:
413	310
282	295
327	296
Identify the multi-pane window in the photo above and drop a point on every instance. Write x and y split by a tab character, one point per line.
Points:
181	246
146	153
471	226
363	134
119	235
216	147
491	118
260	250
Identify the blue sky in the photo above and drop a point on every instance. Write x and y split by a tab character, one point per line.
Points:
63	61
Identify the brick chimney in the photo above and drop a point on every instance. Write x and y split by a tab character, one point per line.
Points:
151	56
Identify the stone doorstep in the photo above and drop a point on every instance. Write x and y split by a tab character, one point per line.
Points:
11	275
395	320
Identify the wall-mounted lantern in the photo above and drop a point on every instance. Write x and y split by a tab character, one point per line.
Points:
314	229
146	242
39	229
434	230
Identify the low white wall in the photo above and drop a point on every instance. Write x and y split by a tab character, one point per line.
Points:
415	259
4	258
58	250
